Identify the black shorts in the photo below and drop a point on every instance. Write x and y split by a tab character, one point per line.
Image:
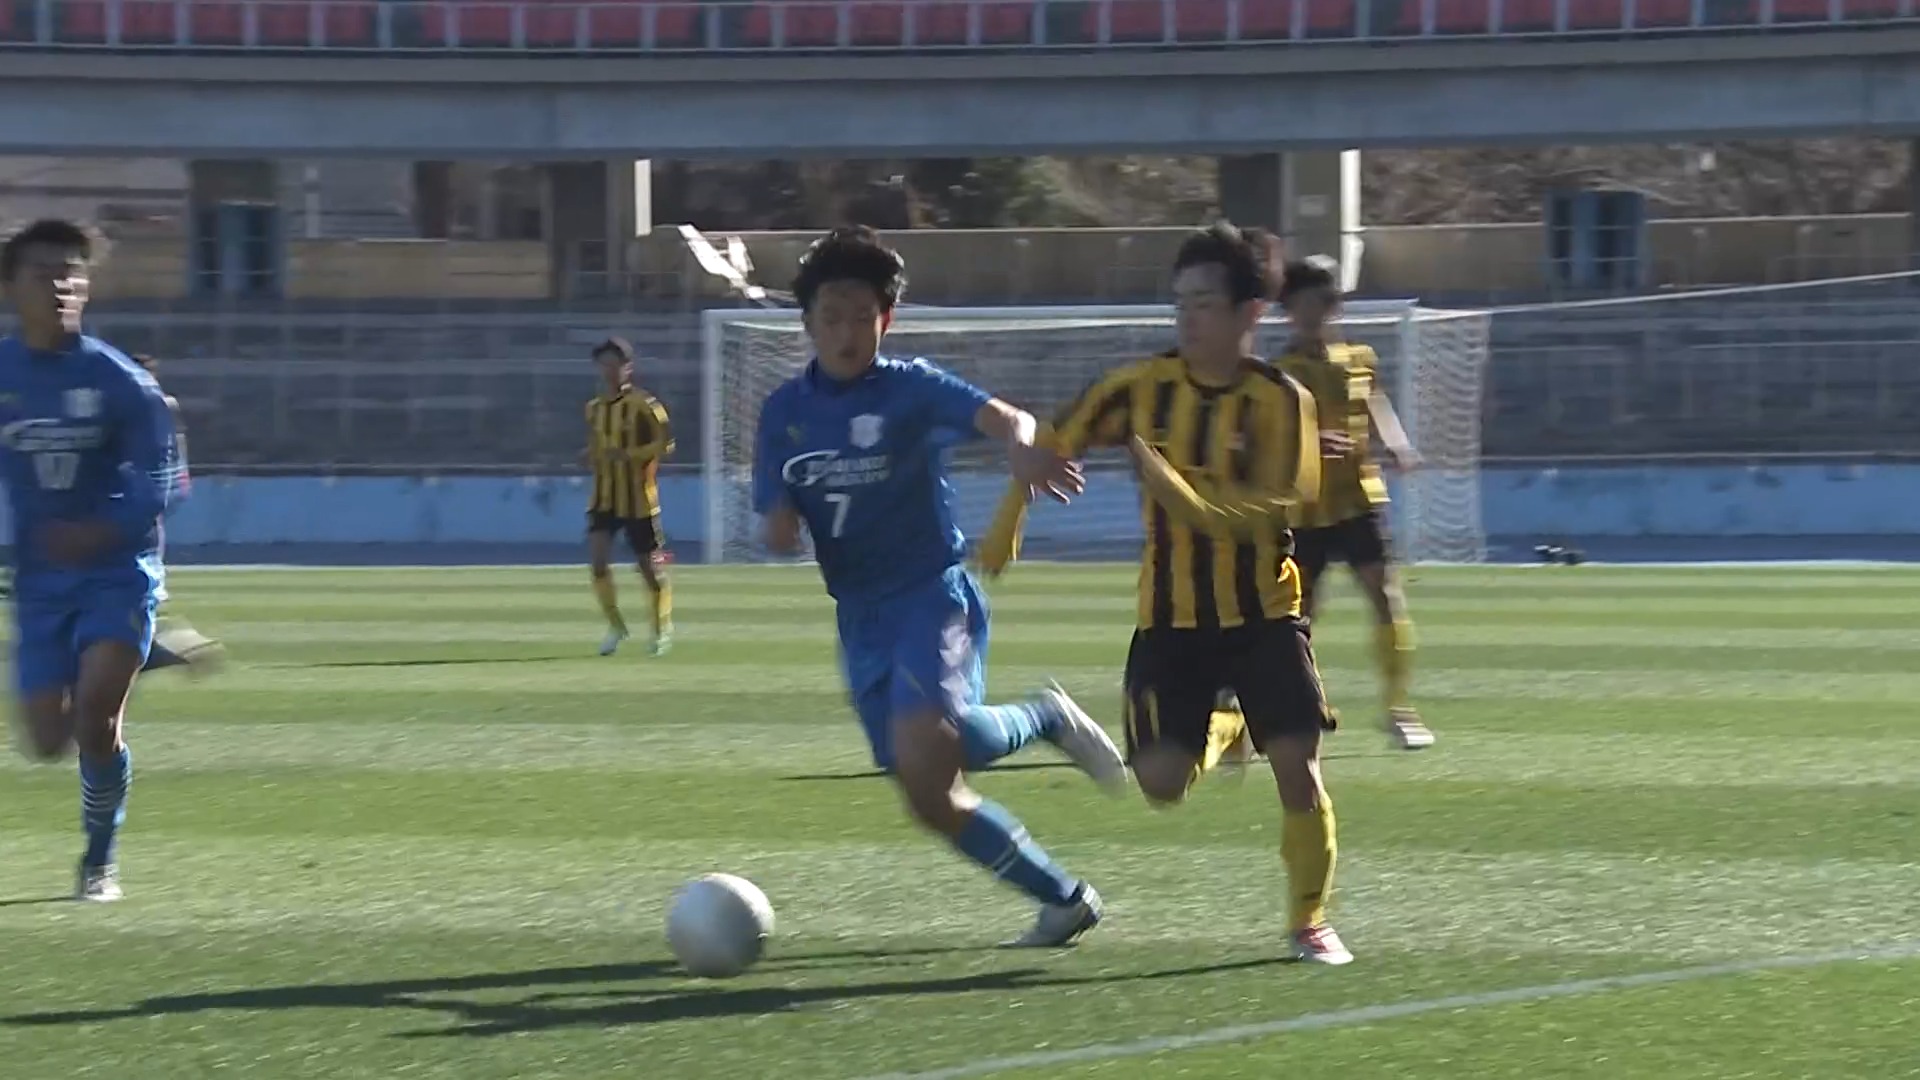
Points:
1175	678
643	534
1357	541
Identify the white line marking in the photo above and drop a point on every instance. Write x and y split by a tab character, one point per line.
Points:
1370	1014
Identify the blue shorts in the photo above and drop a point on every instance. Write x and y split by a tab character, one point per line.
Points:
922	646
50	636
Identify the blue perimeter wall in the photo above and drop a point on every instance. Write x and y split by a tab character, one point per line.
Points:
1841	511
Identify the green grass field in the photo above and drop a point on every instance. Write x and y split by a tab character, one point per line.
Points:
418	830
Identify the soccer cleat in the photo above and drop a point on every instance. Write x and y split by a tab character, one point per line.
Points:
611	643
1059	924
98	884
1406	730
662	643
183	645
1085	742
1320	945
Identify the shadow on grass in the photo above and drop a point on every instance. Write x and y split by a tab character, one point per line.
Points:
1032	766
27	901
554	1006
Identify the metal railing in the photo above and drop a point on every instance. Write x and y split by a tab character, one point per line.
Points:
745	27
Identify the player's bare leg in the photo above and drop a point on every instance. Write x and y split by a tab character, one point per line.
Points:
929	767
46	724
600	565
1166	773
1307	846
1393	644
653	570
107	673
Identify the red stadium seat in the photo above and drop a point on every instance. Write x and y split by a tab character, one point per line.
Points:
1009	23
1135	20
1331	18
1801	11
350	23
283	24
216	23
1869	9
552	24
484	25
83	21
148	22
1272	20
878	25
794	24
1662	13
677	24
1597	15
615	26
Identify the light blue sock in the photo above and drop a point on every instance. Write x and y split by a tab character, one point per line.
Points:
996	840
103	802
991	732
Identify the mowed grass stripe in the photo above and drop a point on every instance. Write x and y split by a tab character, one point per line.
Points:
835	745
628	685
1341	629
1393	901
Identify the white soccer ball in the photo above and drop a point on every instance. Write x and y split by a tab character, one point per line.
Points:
718	925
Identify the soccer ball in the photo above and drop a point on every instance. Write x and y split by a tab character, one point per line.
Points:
718	925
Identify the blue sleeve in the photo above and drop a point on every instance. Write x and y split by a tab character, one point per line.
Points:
769	490
148	469
953	401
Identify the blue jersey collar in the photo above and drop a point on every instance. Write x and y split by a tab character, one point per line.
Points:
817	380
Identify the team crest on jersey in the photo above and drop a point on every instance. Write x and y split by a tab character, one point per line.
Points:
83	403
864	432
795	433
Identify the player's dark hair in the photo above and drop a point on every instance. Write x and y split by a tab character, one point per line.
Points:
1314	273
1241	255
49	232
618	346
851	253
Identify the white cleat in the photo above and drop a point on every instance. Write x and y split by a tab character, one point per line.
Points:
98	885
1406	730
1086	742
1058	925
201	654
611	643
1320	945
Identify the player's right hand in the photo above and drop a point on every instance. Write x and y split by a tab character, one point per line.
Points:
1335	443
1045	472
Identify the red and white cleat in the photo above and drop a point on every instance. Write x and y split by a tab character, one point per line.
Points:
1407	731
1320	945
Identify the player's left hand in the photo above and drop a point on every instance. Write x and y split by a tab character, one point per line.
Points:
74	543
1045	472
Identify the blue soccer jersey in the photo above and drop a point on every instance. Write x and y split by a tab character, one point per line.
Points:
85	435
864	463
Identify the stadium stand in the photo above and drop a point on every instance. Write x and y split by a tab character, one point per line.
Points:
759	25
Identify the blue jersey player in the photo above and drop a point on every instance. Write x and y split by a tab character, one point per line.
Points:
854	448
87	454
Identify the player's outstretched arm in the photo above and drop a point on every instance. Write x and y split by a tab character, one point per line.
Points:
1290	468
1035	463
1392	435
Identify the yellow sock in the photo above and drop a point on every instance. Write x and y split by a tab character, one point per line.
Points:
1393	649
609	597
1223	730
662	596
1307	847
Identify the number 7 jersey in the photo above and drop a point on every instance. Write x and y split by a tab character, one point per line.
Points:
85	435
864	464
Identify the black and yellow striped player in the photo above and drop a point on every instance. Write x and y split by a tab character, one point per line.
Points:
627	435
1347	522
1225	445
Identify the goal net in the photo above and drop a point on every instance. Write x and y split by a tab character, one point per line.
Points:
1433	365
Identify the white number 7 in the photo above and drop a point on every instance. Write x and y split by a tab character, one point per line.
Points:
840	501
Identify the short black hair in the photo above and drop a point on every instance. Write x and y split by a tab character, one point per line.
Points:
618	346
1307	275
51	232
851	253
1242	255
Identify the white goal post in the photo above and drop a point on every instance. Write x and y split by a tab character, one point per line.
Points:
1433	366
